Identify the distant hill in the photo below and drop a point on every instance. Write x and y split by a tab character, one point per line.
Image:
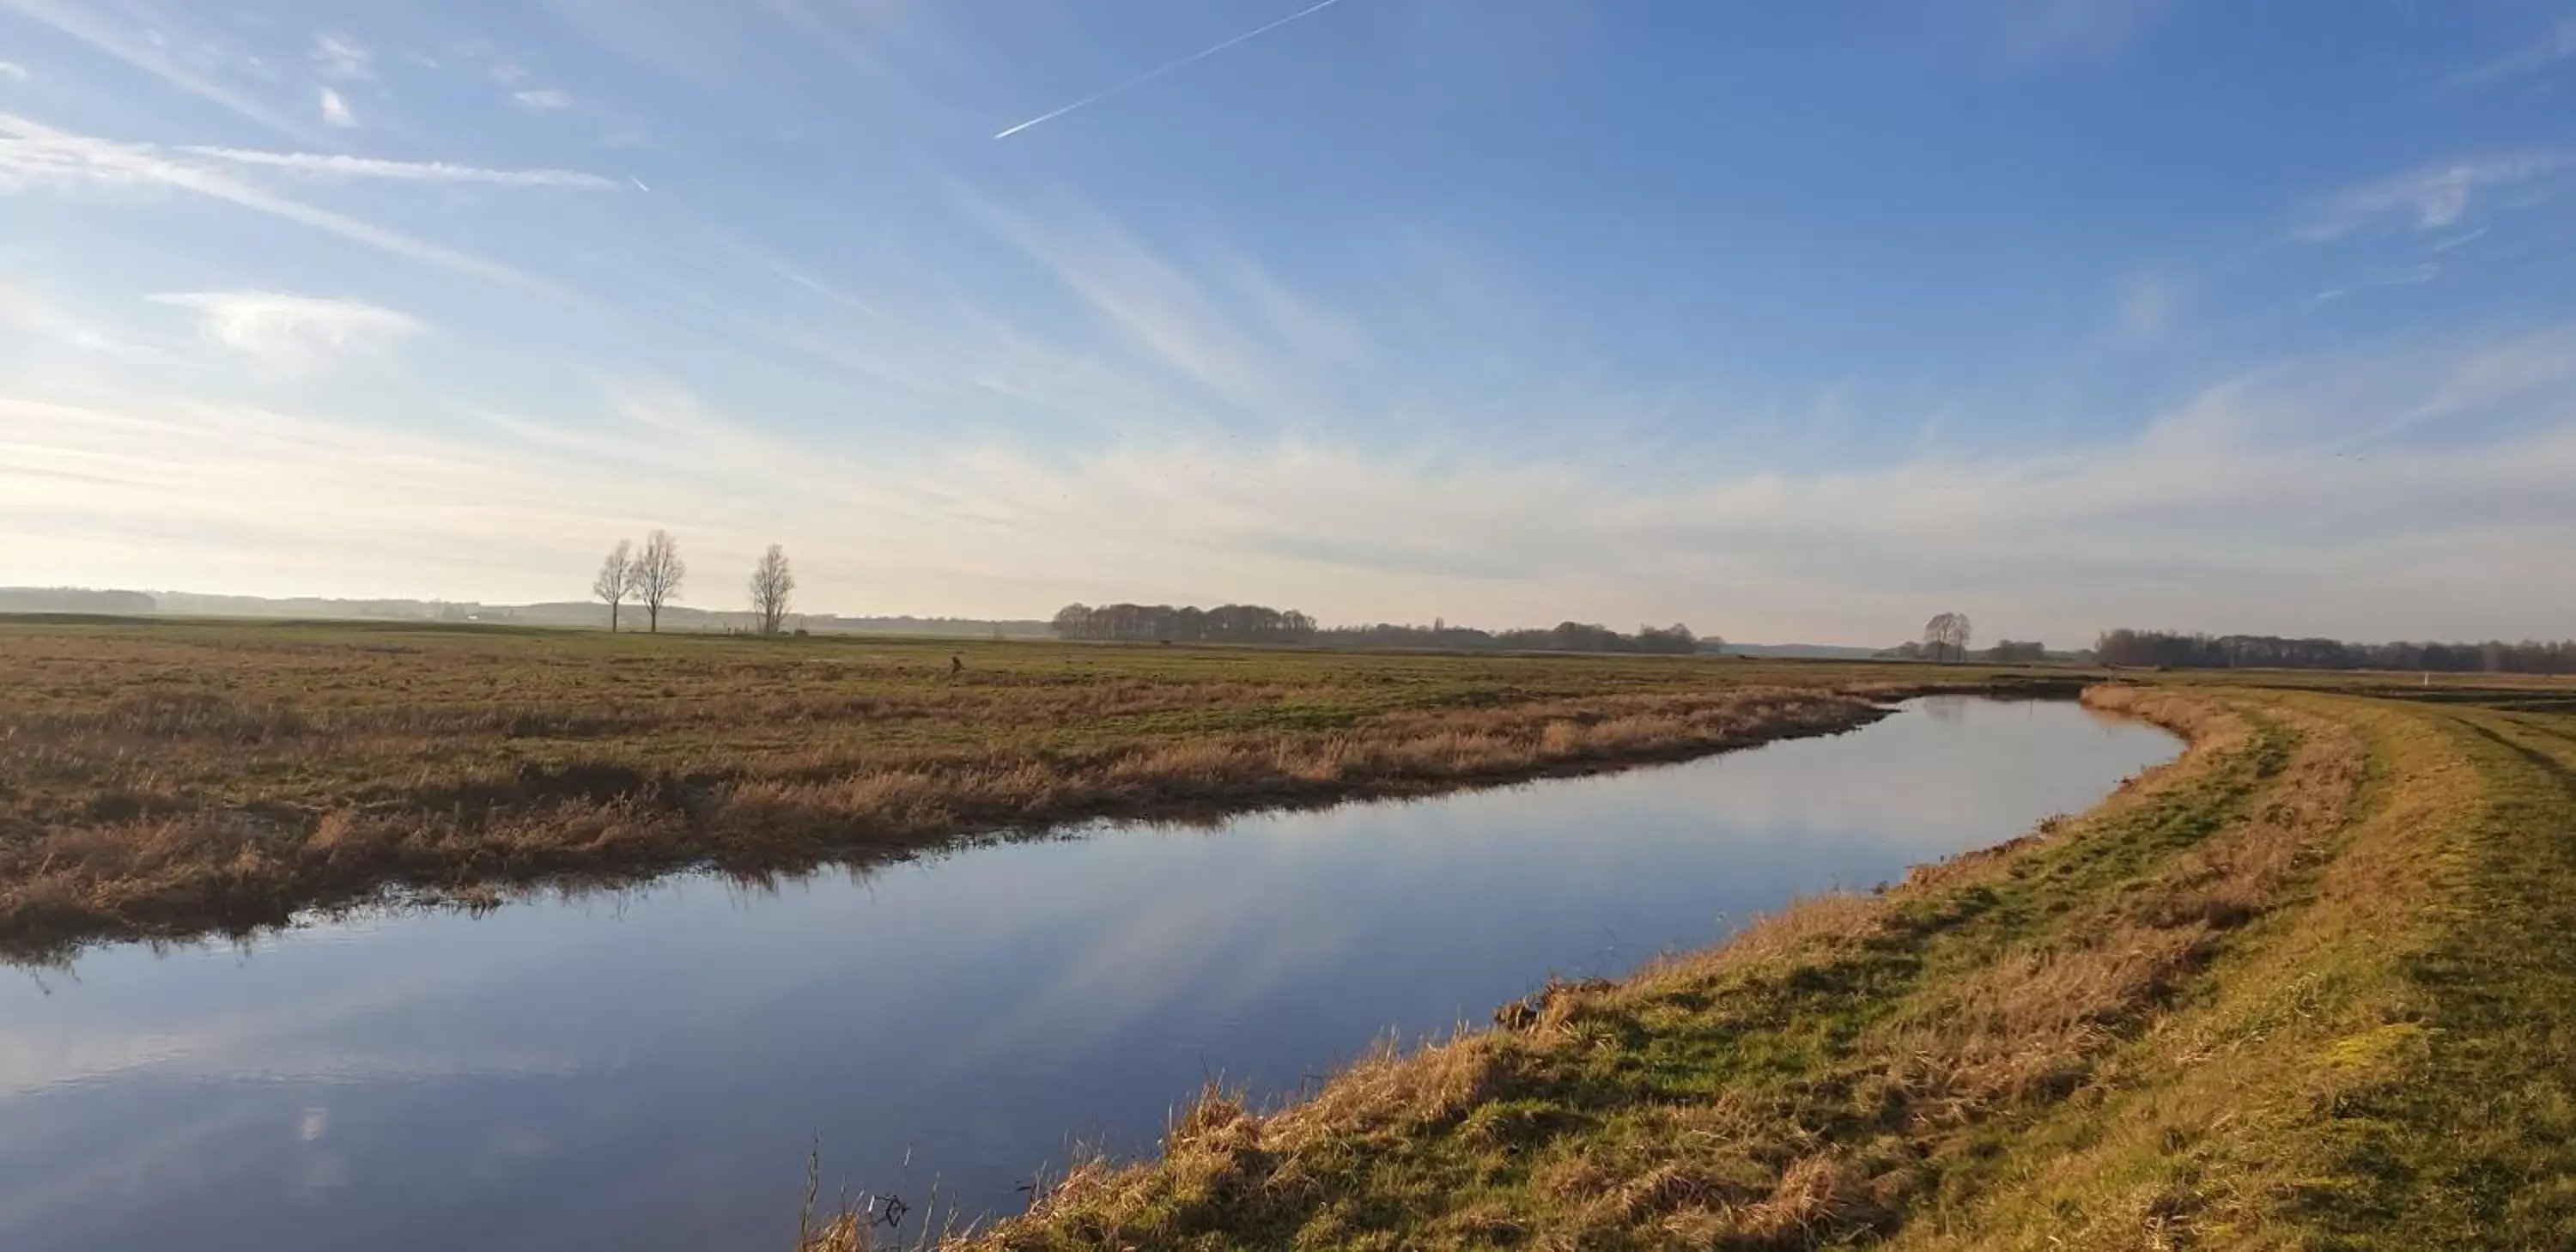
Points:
564	613
72	600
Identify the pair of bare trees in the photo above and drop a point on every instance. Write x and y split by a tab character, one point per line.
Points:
1946	636
650	578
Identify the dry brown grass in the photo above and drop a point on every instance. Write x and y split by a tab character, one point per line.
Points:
1822	1078
2305	987
170	779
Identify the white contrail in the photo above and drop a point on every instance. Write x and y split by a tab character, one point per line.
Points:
1152	74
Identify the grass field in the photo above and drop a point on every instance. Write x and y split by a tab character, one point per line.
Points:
2306	987
171	778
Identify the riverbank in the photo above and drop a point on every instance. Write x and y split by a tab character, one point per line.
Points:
166	780
2305	986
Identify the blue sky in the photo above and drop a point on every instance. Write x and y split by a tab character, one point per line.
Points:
1785	321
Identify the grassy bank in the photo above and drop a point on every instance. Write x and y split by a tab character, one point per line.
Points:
2305	987
164	779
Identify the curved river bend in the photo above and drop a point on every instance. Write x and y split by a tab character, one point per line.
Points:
648	1071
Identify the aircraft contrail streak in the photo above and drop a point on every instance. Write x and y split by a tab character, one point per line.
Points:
1152	74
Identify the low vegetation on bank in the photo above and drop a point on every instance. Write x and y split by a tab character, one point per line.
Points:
2304	987
165	779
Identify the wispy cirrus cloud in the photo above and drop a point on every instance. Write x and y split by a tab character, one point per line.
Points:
135	44
2302	498
34	156
2429	198
2552	50
2043	29
292	333
42	156
37	317
338	56
1067	404
2412	276
1234	329
340	165
1167	67
335	110
13	71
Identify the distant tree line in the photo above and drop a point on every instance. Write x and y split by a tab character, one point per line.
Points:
1226	623
2005	652
1253	623
1674	640
1946	638
2157	647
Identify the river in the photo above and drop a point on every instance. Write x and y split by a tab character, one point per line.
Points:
648	1070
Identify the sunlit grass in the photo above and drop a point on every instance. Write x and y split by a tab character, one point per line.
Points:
2307	986
169	778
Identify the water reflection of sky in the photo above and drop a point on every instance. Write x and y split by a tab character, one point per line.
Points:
648	1070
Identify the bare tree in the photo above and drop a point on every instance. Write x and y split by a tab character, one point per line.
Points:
658	575
1946	636
616	579
771	581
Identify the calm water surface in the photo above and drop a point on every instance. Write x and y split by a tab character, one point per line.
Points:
648	1071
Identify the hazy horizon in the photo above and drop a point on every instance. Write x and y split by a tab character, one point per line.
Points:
1777	321
594	612
815	611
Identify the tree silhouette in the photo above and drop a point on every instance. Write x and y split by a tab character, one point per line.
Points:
1946	636
616	579
658	575
771	581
